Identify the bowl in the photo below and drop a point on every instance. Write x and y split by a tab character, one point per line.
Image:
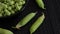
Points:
17	11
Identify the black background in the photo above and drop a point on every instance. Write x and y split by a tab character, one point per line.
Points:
51	24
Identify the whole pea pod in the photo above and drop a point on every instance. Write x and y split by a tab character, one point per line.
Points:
40	3
25	20
4	31
37	24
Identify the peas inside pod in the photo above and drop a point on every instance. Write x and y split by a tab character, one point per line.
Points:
9	7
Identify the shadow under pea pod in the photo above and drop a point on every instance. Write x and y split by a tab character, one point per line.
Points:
11	20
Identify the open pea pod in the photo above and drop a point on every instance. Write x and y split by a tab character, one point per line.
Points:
4	31
40	3
25	20
37	23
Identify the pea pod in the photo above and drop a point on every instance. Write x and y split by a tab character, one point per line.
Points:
40	3
25	20
4	31
37	24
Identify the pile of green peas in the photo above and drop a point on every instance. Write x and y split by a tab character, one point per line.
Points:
9	7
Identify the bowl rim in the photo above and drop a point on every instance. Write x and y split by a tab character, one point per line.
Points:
26	1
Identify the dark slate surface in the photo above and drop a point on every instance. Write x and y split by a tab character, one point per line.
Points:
51	24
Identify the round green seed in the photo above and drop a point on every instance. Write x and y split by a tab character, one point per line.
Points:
18	7
12	2
23	2
7	12
9	8
20	3
1	15
12	11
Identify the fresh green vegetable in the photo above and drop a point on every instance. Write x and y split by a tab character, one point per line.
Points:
40	3
25	20
4	31
9	7
37	24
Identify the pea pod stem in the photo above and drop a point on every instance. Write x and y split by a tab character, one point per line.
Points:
37	23
25	20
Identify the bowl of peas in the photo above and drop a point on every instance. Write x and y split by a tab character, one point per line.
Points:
11	7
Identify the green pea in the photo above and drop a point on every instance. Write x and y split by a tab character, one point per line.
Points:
5	6
40	3
10	2
37	23
1	6
25	20
5	31
23	2
9	8
12	6
12	11
1	15
1	12
7	12
20	3
18	7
